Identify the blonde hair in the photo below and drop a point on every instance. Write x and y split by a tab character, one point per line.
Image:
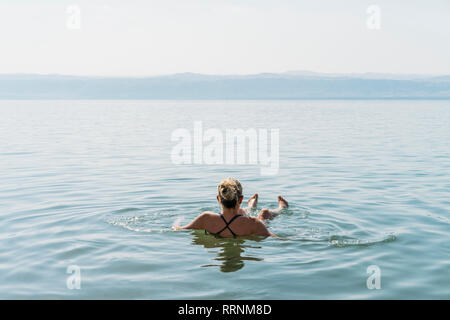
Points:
230	190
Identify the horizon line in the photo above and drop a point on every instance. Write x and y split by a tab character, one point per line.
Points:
288	72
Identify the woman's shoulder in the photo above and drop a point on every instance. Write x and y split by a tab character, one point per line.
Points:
249	219
208	214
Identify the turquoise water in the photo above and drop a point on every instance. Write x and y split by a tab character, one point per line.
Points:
92	184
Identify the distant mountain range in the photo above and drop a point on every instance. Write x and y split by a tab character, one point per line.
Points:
287	85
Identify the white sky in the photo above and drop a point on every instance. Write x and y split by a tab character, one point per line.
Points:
145	37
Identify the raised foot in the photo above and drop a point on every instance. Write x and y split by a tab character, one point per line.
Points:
282	203
253	201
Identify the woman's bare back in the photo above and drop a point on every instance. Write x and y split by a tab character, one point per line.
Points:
238	225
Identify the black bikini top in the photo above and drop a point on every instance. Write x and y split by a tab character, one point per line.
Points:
227	225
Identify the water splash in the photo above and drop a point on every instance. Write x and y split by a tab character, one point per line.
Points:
155	222
345	241
177	221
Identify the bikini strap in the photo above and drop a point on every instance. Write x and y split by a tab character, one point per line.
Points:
227	224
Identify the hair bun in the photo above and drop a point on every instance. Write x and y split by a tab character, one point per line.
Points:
228	193
230	189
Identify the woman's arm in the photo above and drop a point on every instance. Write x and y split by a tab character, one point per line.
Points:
197	223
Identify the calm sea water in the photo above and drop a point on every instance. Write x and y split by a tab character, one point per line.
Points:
91	184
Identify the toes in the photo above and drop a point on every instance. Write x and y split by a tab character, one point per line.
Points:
253	199
281	199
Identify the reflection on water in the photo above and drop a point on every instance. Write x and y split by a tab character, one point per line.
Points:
230	252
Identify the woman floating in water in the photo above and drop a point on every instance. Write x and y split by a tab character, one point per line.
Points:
230	197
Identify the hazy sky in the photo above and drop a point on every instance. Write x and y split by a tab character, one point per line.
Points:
145	37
